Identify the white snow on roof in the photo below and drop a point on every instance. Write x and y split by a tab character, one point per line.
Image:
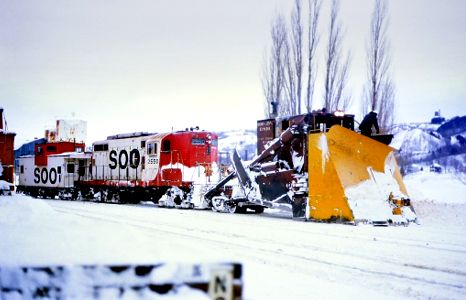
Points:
72	155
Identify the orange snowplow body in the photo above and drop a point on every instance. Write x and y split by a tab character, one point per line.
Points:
340	161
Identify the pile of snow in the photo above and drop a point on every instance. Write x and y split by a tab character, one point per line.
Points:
445	188
438	198
27	224
5	185
96	282
368	200
33	234
22	210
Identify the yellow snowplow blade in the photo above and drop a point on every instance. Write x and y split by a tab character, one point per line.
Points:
354	178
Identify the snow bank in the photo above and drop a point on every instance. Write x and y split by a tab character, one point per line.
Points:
32	232
439	199
19	209
437	188
5	185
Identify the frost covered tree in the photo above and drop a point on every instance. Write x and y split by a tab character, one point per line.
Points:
379	91
336	65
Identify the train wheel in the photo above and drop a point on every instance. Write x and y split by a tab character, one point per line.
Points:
218	203
103	196
233	208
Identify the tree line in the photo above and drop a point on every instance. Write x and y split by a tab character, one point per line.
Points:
290	65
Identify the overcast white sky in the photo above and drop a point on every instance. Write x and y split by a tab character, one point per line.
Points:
152	65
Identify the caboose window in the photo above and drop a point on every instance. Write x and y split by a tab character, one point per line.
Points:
39	150
51	149
198	141
166	146
70	168
22	169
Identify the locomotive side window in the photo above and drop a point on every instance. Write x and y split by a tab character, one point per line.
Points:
143	144
198	141
166	146
101	147
70	168
152	148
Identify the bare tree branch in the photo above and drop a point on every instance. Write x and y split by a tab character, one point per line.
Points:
273	74
297	32
294	61
313	40
379	90
336	68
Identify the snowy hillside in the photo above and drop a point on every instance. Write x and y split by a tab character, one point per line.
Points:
245	141
418	142
422	145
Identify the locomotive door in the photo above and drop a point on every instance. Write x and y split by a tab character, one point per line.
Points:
152	160
69	171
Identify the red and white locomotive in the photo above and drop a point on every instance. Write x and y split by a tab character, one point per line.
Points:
138	166
163	167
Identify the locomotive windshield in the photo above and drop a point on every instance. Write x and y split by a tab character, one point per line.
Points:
198	141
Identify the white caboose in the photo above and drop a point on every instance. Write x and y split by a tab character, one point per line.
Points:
59	177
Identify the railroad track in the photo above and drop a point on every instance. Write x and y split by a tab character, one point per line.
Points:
306	248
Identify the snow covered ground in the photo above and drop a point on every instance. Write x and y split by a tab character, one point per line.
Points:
282	258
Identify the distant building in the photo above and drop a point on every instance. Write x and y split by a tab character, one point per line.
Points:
74	131
436	168
27	149
7	140
437	119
